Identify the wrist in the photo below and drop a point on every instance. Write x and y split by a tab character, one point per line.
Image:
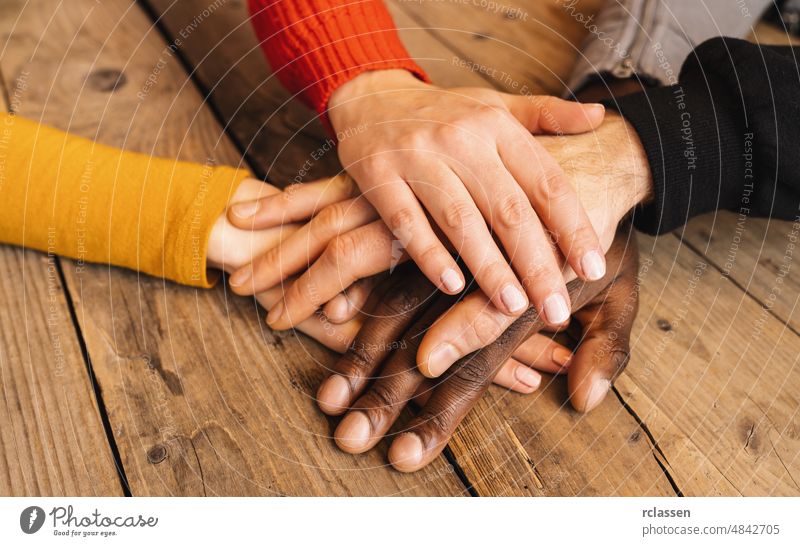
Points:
346	101
608	167
633	164
229	247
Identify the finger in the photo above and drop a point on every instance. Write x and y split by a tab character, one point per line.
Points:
543	354
403	298
465	382
467	326
456	213
544	114
297	202
604	350
403	214
456	393
518	377
348	304
354	255
337	337
300	249
371	416
513	375
557	203
525	241
473	323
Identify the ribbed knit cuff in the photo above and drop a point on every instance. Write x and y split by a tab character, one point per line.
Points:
196	209
689	138
315	46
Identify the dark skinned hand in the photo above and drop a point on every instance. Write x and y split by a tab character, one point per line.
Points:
384	353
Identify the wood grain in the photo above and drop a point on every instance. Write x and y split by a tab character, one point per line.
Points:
201	397
52	440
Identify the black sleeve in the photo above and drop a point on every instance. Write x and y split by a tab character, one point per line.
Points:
726	135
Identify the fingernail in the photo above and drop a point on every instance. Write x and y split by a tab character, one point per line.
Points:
245	210
452	280
594	266
333	395
275	313
406	452
241	276
597	108
442	357
597	394
352	434
527	377
513	298
561	356
556	310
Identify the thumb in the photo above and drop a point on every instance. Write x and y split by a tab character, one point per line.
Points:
544	114
605	349
595	365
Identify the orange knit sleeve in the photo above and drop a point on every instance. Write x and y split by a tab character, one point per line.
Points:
315	46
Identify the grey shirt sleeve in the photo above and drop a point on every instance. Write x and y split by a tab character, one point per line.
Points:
652	38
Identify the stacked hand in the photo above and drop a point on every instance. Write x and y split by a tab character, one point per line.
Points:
458	168
320	276
409	307
231	248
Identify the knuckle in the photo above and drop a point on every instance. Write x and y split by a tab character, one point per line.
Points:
381	397
401	302
485	328
492	275
487	112
413	140
551	186
401	220
331	216
458	134
582	235
270	262
358	359
535	272
436	425
475	374
342	250
459	216
512	212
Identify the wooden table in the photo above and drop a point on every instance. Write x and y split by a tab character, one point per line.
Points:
115	383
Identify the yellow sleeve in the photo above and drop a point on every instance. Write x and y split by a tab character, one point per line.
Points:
70	196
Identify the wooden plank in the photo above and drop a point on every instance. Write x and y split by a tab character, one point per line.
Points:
52	441
500	448
259	113
715	378
202	398
757	254
524	47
